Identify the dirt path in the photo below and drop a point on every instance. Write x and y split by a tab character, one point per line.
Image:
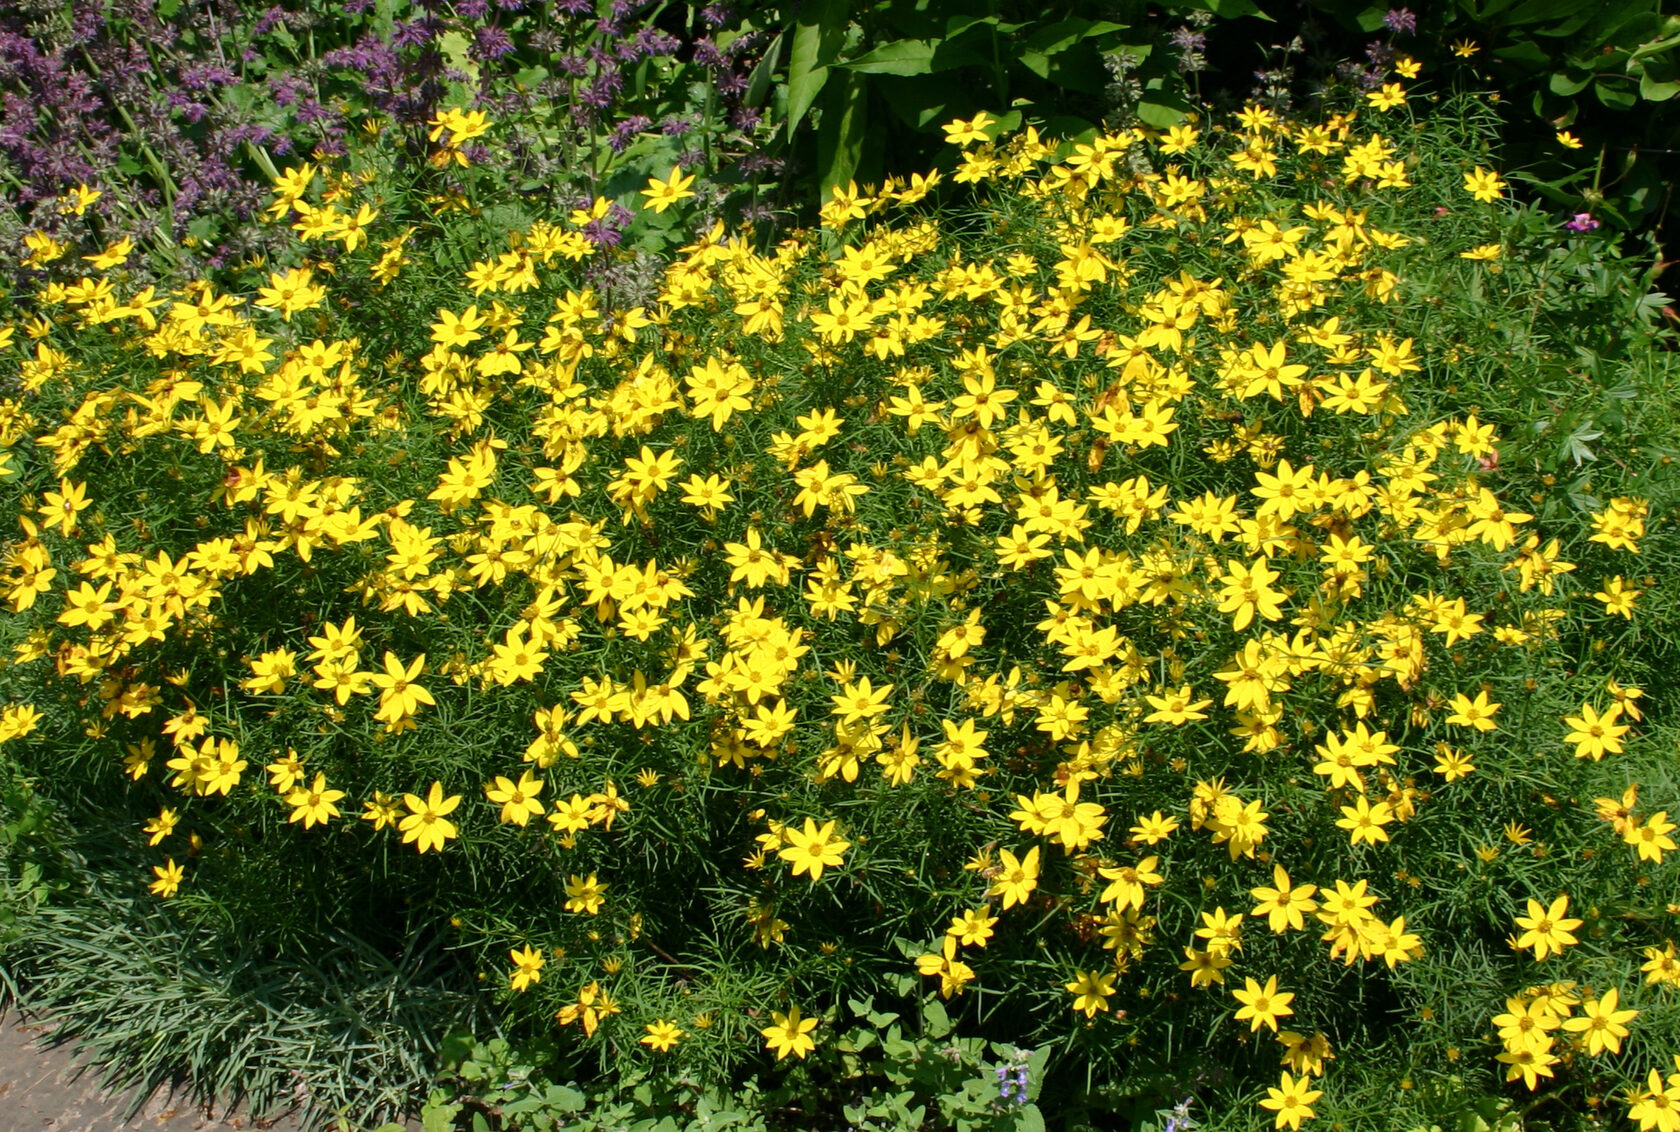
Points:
46	1089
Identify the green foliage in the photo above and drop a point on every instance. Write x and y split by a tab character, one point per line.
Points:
346	1028
889	1077
882	78
1606	72
1015	668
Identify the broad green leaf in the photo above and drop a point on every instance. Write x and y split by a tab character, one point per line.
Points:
1654	91
1526	55
900	57
1029	1119
565	1098
455	48
936	1023
1655	47
1614	96
1370	19
1565	83
1225	9
758	86
1036	62
1069	128
1547	11
817	38
840	137
1063	34
1158	111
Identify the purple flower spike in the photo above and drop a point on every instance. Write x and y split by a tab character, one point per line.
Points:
1401	20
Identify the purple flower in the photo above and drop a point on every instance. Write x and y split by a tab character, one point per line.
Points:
716	15
1581	222
706	53
472	9
1401	20
653	41
493	42
746	119
411	33
675	125
625	132
269	20
574	7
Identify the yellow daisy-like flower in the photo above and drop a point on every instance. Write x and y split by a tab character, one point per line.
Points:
528	963
1484	185
427	824
789	1034
661	1035
1547	930
663	194
812	849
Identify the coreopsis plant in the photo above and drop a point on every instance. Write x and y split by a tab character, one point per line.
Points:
1112	599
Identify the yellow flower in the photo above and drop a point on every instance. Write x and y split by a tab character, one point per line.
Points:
169	876
114	255
400	696
813	849
1262	1006
1016	877
663	194
1477	713
1452	764
1618	597
1568	140
1465	48
427	823
1285	905
1600	1024
585	895
1596	735
1390	96
1651	838
1291	1100
973	927
381	810
959	132
1091	991
789	1034
313	806
661	1035
1485	186
1547	930
528	963
517	799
